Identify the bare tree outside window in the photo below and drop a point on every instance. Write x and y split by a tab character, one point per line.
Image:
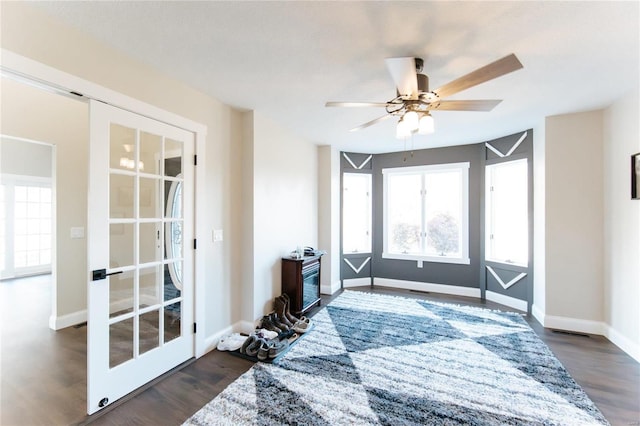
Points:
442	233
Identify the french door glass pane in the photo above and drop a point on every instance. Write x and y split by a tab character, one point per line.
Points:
404	216
172	322
121	293
121	188
443	208
151	281
122	150
121	238
150	151
149	337
120	342
150	242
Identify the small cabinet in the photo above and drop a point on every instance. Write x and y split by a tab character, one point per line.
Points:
301	282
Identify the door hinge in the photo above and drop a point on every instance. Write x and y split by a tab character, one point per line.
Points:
195	160
194	328
195	244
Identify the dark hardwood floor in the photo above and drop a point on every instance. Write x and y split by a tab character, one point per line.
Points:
44	372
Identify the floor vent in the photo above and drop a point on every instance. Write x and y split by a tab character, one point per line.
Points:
572	333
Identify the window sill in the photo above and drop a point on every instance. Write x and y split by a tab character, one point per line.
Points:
434	259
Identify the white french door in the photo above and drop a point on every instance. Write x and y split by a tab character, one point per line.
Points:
140	239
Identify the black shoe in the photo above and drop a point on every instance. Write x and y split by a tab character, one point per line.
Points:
266	323
274	320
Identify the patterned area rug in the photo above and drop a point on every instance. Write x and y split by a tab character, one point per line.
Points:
375	359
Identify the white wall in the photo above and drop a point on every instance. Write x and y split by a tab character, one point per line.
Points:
622	225
329	217
285	205
22	158
574	218
33	34
539	207
34	114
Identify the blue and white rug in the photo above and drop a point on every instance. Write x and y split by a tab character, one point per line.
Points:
376	359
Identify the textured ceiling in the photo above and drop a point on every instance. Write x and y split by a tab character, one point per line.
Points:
286	59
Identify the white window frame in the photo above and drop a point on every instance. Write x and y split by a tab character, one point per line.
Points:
489	217
464	214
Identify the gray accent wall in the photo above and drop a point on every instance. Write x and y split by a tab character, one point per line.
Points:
431	272
475	274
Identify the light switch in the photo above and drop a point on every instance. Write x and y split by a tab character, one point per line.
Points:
77	233
217	235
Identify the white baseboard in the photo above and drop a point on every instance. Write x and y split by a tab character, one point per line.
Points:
509	301
356	282
331	288
428	287
623	342
575	324
64	321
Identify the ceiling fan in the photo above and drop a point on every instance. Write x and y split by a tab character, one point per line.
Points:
414	101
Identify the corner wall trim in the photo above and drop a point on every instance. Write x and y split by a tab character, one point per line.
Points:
358	269
509	301
624	343
428	287
538	314
575	324
344	154
356	282
68	320
330	288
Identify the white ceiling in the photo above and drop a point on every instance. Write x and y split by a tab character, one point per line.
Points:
286	59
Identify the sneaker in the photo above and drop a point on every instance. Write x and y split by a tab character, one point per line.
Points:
267	334
232	342
248	342
278	347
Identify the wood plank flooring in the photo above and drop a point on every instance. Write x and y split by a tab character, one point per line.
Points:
44	372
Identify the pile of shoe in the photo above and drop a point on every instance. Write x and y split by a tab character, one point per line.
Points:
281	320
264	344
277	330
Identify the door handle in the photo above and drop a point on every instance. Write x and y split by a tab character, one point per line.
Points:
101	274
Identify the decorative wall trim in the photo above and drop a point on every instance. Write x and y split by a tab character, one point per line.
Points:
356	282
364	163
358	269
331	288
509	301
64	321
510	283
428	287
513	148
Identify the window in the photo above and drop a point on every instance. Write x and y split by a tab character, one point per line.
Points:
426	213
356	213
25	226
507	221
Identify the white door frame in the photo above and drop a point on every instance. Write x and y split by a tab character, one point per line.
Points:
33	72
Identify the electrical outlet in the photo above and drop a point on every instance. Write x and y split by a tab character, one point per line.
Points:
217	235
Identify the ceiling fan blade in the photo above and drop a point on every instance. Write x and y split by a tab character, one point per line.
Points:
480	105
488	72
370	123
356	104
403	73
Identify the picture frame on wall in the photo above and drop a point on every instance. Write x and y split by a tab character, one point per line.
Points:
635	176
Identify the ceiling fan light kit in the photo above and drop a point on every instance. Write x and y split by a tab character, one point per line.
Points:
414	100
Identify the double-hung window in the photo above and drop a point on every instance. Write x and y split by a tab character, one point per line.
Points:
356	213
507	220
426	213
